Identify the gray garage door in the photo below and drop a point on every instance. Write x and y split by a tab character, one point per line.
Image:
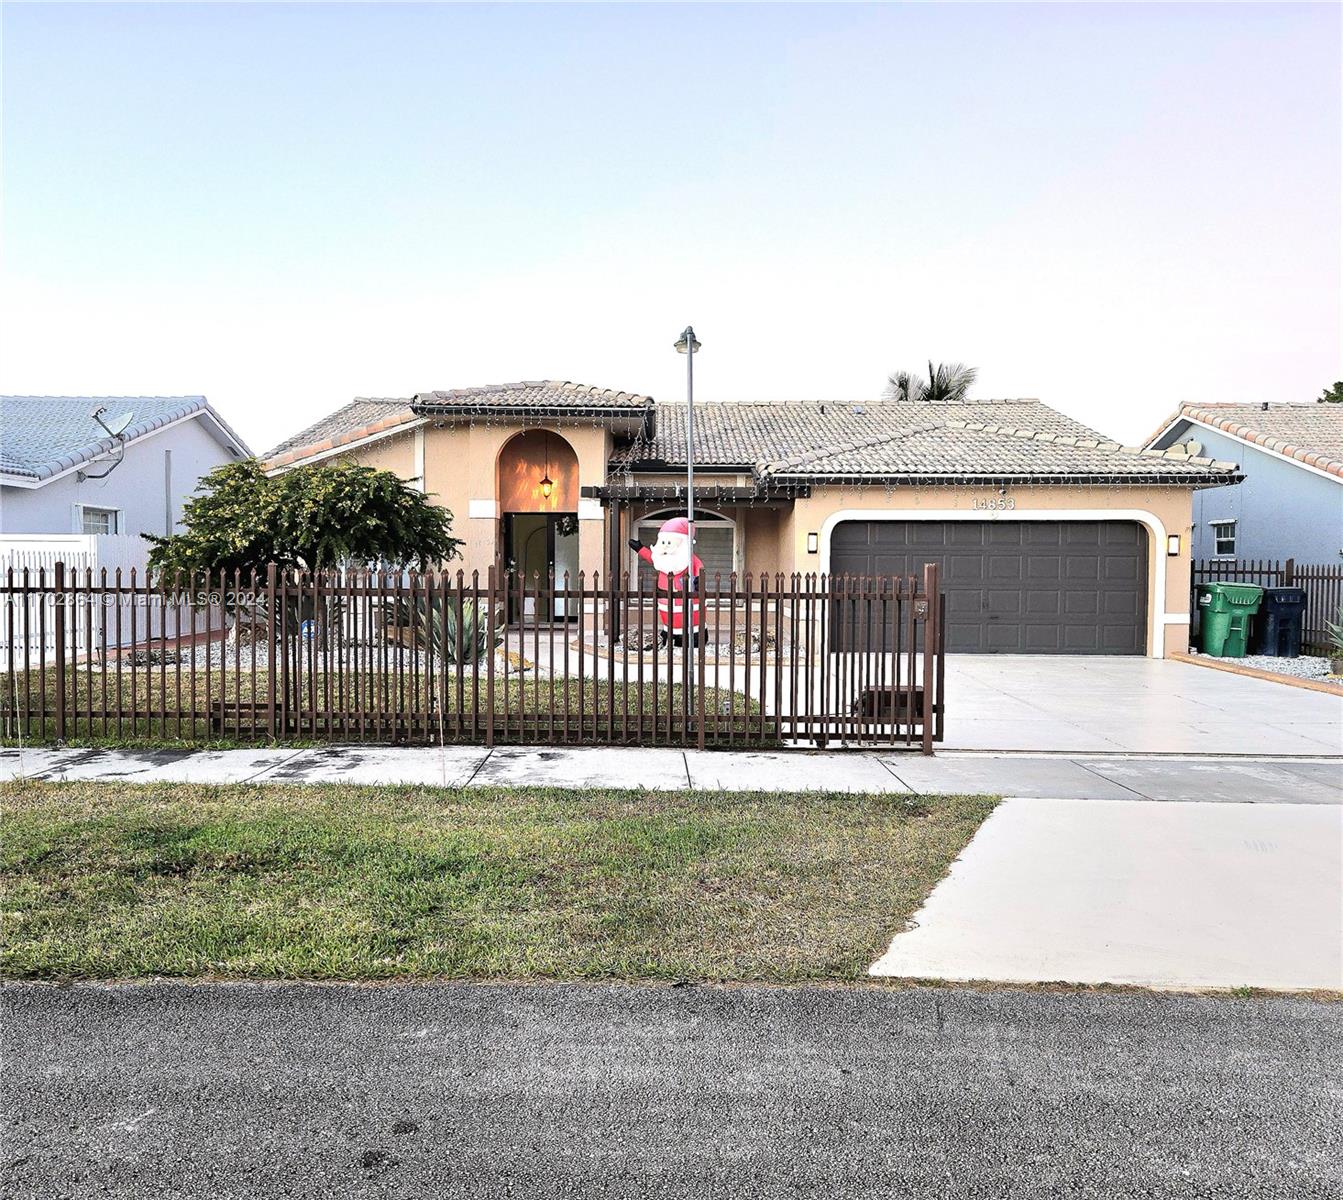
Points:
1017	587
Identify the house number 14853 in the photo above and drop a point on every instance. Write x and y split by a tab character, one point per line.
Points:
995	502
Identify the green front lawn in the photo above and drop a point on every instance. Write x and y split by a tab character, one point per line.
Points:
118	880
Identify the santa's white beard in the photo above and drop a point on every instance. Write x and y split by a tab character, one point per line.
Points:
674	560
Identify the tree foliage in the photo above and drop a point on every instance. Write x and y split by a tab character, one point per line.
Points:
310	518
1333	395
946	382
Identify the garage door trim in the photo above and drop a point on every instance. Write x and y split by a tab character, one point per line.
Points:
1157	619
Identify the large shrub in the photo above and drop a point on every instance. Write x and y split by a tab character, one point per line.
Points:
310	518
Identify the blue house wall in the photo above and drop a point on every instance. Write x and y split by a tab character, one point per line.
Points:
1282	510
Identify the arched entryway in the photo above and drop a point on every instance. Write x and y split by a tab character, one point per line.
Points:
537	478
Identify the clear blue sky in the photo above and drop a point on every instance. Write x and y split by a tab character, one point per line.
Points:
1114	208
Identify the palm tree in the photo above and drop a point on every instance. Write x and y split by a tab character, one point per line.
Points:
946	382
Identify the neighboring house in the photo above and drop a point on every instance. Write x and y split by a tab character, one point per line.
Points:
72	494
61	474
1052	538
1290	504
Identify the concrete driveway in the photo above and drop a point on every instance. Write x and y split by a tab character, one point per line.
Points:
1134	705
1139	892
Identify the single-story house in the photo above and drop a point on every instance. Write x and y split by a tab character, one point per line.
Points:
1052	538
1290	504
62	473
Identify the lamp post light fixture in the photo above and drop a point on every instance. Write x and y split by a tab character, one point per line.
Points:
688	344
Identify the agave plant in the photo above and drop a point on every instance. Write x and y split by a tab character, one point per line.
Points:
1333	631
441	625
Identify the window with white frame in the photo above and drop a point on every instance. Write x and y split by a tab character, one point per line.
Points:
97	520
715	543
1224	539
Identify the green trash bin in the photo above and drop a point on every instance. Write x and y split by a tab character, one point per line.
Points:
1225	610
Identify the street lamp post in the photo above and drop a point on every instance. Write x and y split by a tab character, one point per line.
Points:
687	344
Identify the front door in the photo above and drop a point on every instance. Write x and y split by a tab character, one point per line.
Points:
535	544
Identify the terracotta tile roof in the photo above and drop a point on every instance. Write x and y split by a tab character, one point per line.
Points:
546	394
361	418
890	440
787	440
1310	433
364	417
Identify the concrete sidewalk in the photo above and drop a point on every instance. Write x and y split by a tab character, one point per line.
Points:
1314	780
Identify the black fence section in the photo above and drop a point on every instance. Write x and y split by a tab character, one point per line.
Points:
447	657
1322	583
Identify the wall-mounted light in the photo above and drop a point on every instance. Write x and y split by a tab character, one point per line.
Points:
813	543
1173	544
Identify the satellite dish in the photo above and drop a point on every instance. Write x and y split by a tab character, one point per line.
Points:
117	426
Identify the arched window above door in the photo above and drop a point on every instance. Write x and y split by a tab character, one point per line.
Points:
538	473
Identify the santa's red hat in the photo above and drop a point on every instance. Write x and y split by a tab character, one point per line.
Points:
676	525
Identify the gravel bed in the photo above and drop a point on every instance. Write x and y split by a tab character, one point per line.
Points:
218	653
1308	666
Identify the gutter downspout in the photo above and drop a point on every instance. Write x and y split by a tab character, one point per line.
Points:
167	493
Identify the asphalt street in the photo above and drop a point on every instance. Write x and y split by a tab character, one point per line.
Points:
155	1090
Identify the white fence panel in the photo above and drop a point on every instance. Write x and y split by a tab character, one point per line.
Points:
91	622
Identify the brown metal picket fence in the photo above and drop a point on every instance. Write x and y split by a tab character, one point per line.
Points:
450	657
1322	583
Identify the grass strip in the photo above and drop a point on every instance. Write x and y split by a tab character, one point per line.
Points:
363	883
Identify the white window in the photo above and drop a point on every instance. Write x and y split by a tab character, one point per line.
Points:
715	543
1224	539
97	520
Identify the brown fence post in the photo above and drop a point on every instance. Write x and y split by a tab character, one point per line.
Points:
490	587
271	651
699	632
930	593
940	707
59	618
1289	573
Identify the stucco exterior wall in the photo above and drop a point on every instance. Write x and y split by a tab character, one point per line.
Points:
139	488
761	551
395	454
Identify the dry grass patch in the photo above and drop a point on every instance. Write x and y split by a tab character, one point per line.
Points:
106	880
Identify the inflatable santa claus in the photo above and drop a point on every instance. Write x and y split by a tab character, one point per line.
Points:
673	560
